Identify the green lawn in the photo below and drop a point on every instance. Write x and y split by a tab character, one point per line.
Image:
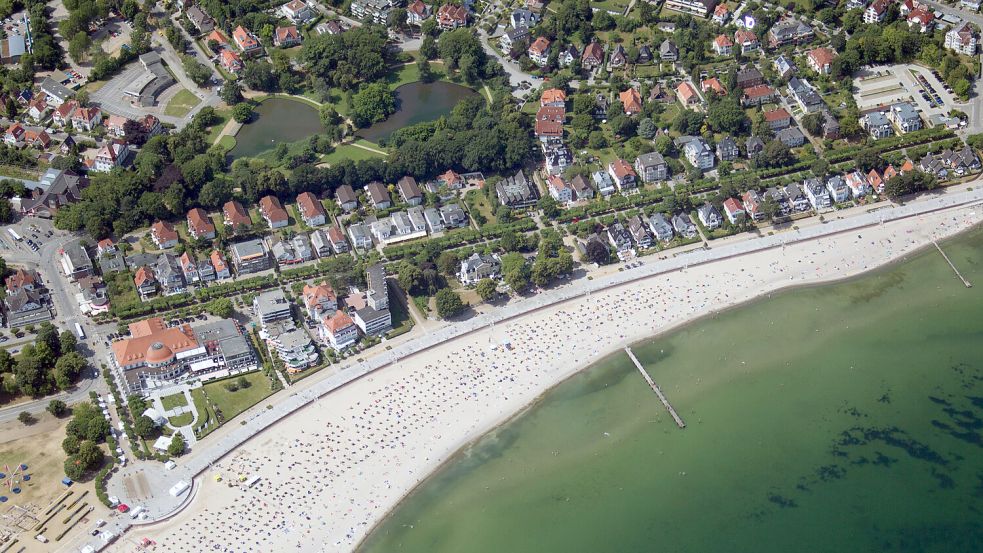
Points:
121	289
347	151
227	143
181	103
233	403
172	401
205	413
611	5
402	322
223	117
477	201
184	419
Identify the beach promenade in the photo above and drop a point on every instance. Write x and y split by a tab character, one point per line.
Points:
386	431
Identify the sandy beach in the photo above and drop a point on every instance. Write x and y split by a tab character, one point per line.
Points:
332	471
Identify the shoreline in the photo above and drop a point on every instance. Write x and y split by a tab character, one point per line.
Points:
496	413
618	349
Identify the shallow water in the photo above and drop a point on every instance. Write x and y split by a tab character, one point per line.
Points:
846	417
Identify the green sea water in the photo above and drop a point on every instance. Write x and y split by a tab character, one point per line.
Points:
845	418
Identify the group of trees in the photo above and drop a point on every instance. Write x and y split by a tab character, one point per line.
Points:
84	432
50	363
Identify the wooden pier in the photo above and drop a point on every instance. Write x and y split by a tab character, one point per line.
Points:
655	388
951	264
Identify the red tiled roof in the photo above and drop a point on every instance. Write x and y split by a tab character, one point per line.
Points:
776	115
309	205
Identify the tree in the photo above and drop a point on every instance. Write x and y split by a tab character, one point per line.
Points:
67	369
373	103
428	48
79	46
774	154
259	75
868	159
231	92
727	116
448	303
329	116
70	445
486	288
48	335
448	262
25	417
198	72
908	183
57	408
426	72
549	206
177	445
144	426
242	112
243	382
220	307
67	342
409	276
515	272
813	123
597	252
345	60
646	128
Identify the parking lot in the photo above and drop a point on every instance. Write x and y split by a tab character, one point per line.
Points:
112	99
885	85
112	35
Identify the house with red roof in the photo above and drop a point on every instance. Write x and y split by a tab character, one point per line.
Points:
273	212
778	119
338	330
723	45
734	211
311	210
539	51
163	235
247	43
549	123
450	16
687	94
417	12
230	61
593	56
623	174
235	217
820	60
631	101
286	37
747	40
713	84
200	225
553	97
86	118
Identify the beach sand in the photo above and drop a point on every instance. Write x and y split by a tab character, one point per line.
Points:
330	472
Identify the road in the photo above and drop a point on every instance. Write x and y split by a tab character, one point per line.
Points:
225	440
47	262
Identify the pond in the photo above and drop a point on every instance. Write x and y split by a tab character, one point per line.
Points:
415	103
277	120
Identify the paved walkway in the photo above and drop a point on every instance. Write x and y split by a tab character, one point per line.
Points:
164	506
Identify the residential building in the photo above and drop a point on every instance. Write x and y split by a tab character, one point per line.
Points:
513	38
452	216
877	124
905	117
272	306
727	149
373	322
286	37
311	210
477	267
921	20
189	268
749	76
721	14
55	93
250	256
778	119
620	240
235	217
201	20
652	167
231	61
603	182
687	94
631	101
876	11
450	16
714	85
791	137
789	31
346	198
167	271
557	156
111	156
549	123
876	181
24	306
805	95
291	344
559	190
320	243
568	55
660	227
747	40
818	194
838	189
961	161
539	51
820	60
360	236
200	225
378	195
618	58
639	231
75	261
516	192
298	12
857	183
700	8
684	226
723	45
523	18
757	95
145	282
247	43
163	235
338	330
699	154
435	223
58	188
417	12
272	212
319	299
785	67
734	211
581	189
23	278
751	201
593	57
668	51
623	174
709	216
377	292
376	10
